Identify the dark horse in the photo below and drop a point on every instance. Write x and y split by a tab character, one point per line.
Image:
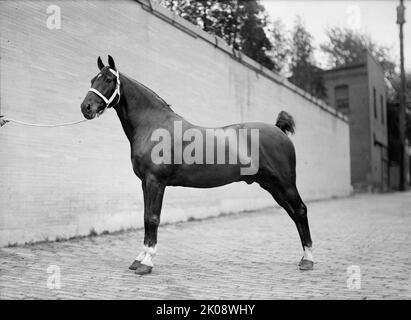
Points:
142	113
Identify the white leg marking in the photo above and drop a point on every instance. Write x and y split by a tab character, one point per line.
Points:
142	254
308	254
149	254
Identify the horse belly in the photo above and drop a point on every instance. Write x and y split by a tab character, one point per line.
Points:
205	175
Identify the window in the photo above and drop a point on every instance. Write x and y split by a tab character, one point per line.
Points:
342	99
375	103
382	109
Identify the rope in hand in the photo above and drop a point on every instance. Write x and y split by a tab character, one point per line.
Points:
4	120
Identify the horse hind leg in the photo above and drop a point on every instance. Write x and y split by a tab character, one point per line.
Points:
290	200
301	221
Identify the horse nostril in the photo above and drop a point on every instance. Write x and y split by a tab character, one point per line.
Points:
88	107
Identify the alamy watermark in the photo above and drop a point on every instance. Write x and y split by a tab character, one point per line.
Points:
54	279
207	146
353	17
354	278
54	19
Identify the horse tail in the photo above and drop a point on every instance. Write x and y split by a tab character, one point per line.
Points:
285	122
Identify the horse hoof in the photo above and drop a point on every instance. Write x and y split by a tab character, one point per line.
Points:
142	269
306	264
134	265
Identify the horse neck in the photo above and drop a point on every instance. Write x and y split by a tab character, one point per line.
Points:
137	111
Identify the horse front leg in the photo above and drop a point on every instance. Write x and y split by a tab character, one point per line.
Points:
153	191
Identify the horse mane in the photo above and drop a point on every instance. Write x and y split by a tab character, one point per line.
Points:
150	94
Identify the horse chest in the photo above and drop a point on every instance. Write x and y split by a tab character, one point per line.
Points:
138	167
143	166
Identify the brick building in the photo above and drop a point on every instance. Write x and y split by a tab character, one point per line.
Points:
359	91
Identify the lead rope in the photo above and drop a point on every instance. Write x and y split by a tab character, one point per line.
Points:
4	120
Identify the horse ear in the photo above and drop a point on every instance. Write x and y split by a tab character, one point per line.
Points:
100	63
111	62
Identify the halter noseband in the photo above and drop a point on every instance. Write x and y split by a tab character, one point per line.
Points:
115	93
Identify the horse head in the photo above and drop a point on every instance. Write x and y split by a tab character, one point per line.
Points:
105	88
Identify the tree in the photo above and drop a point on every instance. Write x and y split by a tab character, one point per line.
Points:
346	46
240	23
253	39
280	42
305	74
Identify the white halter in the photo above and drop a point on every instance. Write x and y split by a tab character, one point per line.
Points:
115	93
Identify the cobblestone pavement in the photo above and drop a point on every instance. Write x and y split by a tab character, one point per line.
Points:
250	255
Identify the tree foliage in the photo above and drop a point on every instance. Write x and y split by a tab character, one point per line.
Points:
240	23
305	74
346	46
281	50
252	37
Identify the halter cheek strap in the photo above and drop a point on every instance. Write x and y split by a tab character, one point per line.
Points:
115	93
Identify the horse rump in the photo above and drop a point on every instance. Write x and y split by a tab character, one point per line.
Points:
285	122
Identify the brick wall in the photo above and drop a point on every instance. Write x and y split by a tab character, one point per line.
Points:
61	182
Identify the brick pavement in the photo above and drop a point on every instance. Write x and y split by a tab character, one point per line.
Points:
251	255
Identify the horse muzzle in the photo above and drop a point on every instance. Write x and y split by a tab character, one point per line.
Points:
91	109
87	111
